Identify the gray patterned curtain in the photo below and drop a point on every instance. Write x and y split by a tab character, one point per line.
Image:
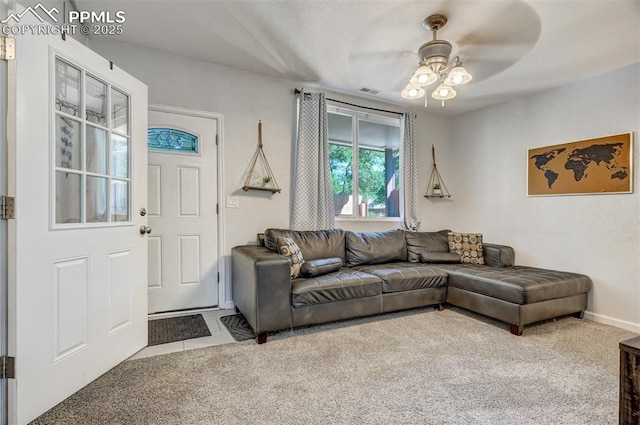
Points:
410	175
312	197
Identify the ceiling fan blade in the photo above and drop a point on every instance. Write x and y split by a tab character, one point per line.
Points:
382	55
494	51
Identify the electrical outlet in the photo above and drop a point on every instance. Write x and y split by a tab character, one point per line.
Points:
233	202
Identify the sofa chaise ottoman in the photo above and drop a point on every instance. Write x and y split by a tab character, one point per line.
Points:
379	272
517	295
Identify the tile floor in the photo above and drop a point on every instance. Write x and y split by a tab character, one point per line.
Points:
219	334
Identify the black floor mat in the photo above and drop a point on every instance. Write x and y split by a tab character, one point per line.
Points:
171	329
238	326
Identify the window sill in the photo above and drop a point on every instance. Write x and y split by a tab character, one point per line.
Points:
368	220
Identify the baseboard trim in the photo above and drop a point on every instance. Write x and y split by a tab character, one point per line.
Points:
622	324
227	305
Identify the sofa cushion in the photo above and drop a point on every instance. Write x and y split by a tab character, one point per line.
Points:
288	248
345	284
439	257
321	266
498	255
375	247
468	245
313	244
397	277
419	242
516	284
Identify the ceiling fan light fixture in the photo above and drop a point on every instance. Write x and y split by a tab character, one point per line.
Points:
423	76
435	65
412	91
458	75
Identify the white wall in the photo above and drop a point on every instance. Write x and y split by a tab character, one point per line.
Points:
436	213
598	235
244	98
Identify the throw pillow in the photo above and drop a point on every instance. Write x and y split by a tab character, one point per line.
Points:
468	245
289	248
439	257
314	268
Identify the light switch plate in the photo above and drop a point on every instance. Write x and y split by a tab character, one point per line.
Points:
233	202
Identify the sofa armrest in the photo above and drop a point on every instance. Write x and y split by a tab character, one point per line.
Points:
498	255
262	287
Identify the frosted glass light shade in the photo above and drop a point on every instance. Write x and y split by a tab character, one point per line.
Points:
458	75
423	76
444	92
412	92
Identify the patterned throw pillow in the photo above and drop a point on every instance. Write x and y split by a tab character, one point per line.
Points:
468	245
289	248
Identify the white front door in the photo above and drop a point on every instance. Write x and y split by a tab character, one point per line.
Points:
182	186
77	260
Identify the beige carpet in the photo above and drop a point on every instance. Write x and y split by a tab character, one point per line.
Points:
415	367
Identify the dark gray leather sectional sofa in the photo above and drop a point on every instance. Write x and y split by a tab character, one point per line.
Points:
382	272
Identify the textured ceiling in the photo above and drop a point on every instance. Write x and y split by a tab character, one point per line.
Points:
512	47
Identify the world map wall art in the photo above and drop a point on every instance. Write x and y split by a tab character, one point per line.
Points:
592	166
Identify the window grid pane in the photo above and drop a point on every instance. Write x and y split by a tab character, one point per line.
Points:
95	101
68	143
92	183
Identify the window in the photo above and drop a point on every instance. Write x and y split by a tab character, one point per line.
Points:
171	140
364	158
91	146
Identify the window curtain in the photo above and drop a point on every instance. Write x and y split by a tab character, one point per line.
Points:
312	197
410	174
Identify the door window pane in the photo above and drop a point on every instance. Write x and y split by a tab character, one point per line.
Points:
119	200
119	111
91	149
68	143
119	156
96	199
96	150
67	88
68	197
96	101
172	140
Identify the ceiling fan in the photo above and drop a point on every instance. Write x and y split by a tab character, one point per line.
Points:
436	66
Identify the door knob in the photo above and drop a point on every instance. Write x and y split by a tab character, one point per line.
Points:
145	230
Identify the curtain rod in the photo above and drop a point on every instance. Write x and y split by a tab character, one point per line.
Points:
298	92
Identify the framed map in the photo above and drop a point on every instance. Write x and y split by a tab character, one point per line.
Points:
592	166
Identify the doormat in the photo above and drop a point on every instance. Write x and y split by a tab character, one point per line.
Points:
172	329
238	327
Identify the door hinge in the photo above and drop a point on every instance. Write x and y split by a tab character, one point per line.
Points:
6	207
217	208
216	140
7	48
218	276
8	365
